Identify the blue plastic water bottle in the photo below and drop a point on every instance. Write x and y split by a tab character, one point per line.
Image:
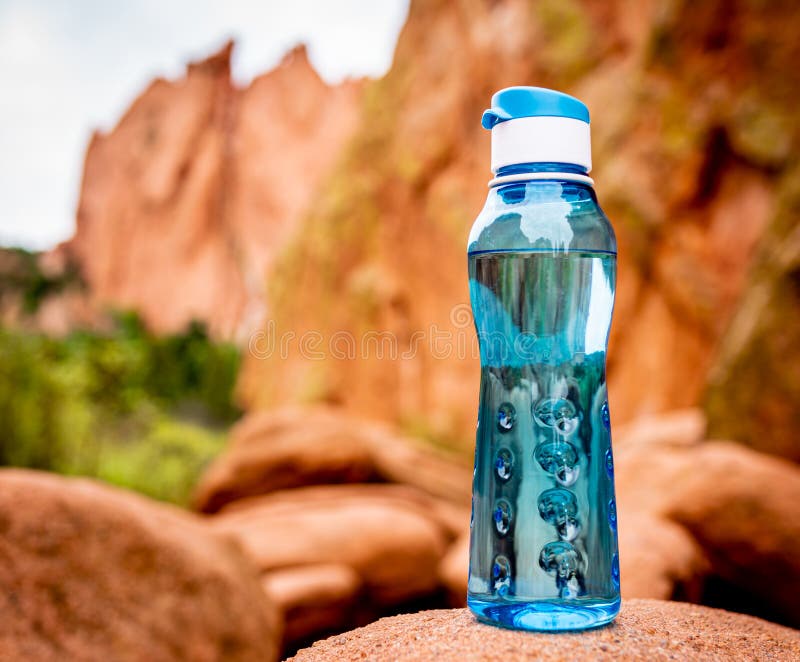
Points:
542	270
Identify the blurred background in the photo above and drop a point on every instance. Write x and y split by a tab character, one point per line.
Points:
234	280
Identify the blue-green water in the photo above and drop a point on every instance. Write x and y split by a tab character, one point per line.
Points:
543	552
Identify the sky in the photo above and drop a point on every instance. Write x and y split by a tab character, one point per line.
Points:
70	66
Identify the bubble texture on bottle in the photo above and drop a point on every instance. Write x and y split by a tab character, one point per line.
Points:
506	417
501	574
502	517
503	464
612	514
558	414
610	464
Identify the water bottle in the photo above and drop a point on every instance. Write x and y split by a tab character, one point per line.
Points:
542	271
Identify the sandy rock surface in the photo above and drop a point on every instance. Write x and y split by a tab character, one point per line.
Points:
646	630
90	572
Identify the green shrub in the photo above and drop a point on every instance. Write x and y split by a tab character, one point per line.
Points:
164	463
139	410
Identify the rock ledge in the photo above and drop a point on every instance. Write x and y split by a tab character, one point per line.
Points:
645	630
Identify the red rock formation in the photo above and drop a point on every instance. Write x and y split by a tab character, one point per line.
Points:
693	118
693	514
383	532
346	520
273	451
314	598
91	572
185	203
204	192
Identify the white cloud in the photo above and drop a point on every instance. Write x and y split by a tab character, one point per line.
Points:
67	68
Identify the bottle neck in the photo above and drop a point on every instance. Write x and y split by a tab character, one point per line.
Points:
524	172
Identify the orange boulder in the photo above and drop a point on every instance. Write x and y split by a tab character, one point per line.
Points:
95	573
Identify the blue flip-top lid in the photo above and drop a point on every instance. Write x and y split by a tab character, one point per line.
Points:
514	102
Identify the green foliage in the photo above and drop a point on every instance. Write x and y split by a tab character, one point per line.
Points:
138	410
164	463
20	274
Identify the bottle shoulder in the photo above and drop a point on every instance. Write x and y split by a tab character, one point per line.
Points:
542	216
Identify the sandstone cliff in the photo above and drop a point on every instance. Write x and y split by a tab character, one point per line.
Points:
349	206
184	204
693	135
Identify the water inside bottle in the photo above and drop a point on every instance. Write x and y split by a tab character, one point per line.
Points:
543	550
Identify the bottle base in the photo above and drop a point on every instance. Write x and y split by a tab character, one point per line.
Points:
544	615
